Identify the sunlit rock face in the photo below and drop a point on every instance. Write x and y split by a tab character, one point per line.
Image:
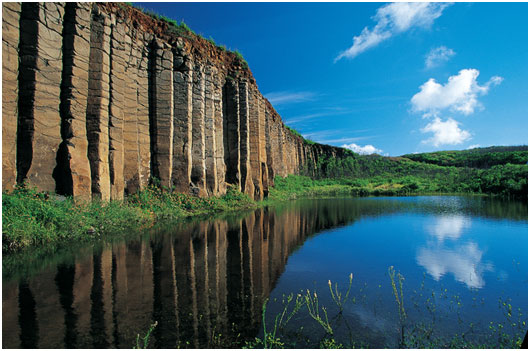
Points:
98	99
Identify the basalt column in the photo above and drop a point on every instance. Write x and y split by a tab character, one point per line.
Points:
182	131
231	134
97	117
254	143
219	157
209	131
72	173
142	110
39	120
131	150
118	64
262	137
246	177
198	170
271	145
161	112
10	42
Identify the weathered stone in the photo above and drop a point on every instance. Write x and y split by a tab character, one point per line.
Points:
198	169
72	173
246	178
142	113
131	146
182	131
97	117
39	124
231	132
97	105
10	43
219	133
118	62
209	132
161	113
254	143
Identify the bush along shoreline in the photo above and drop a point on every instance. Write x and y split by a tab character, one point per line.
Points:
34	219
31	218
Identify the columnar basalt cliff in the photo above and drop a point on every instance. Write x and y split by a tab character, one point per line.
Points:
98	99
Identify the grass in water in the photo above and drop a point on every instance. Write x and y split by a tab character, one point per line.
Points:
143	342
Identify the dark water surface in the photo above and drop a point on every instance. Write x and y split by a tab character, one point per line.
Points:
204	282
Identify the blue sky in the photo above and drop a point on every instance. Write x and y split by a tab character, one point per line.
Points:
391	78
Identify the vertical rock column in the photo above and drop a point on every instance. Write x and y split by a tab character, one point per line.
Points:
131	152
182	120
161	112
142	110
262	135
246	177
72	173
39	120
10	42
198	170
231	135
209	130
254	143
97	117
219	133
269	136
118	63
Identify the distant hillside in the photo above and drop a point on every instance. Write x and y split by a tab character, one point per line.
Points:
493	170
482	158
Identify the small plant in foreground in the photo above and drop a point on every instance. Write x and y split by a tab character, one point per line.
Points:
143	342
337	295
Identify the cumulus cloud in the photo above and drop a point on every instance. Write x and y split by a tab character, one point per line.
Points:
474	146
437	56
363	150
459	94
445	133
393	19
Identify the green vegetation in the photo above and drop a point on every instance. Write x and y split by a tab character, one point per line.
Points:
295	132
475	158
143	342
31	218
34	219
412	333
378	175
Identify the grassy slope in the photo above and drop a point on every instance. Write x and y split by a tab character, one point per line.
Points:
378	175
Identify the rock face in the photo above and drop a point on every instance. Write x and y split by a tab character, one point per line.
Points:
98	99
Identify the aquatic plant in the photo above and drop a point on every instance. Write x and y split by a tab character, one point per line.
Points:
143	342
337	295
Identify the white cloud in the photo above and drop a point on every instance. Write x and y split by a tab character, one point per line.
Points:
459	94
286	97
393	19
474	146
363	150
437	56
445	133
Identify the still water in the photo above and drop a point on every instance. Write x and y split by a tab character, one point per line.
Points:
205	282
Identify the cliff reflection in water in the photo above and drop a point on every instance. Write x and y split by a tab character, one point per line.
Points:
197	280
204	282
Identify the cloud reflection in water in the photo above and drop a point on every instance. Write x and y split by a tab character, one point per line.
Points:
462	260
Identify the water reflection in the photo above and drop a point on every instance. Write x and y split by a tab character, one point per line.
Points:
463	261
448	227
203	279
